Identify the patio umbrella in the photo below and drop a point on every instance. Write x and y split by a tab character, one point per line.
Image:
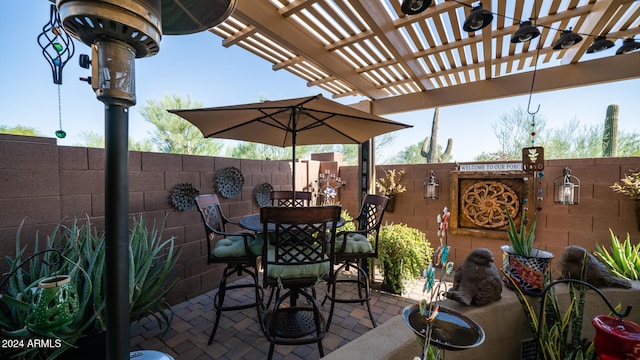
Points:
309	120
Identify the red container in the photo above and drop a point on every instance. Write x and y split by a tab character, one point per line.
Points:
616	339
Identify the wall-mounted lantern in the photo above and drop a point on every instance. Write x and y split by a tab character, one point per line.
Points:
566	188
431	187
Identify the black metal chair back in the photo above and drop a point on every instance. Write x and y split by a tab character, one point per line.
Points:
238	250
298	257
353	249
286	198
368	222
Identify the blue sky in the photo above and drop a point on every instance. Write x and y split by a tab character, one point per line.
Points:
199	66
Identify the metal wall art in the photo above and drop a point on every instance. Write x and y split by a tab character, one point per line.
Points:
230	182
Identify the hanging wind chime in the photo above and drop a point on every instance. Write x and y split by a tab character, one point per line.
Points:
57	49
533	157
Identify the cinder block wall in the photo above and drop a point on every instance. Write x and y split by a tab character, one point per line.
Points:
557	225
42	183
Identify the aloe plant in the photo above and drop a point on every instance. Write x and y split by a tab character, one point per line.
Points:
624	258
82	249
521	240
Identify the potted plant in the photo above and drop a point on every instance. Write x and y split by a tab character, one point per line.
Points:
404	253
558	334
630	185
522	262
80	254
390	186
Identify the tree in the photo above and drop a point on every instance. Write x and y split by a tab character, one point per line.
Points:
174	134
577	141
410	155
250	150
570	141
19	130
95	140
514	131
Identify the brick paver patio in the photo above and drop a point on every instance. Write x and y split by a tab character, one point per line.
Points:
239	335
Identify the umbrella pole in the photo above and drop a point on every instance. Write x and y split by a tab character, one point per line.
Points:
294	120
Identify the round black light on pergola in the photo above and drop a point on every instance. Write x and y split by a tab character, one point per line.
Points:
478	19
628	46
601	43
566	40
525	33
412	7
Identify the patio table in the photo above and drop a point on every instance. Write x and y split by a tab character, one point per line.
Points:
252	222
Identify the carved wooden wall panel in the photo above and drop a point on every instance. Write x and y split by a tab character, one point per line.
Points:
480	201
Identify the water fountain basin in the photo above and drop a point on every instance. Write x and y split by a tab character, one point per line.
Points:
451	329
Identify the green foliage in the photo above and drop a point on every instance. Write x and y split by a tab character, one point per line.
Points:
431	151
610	137
174	134
249	150
520	239
559	333
513	131
573	140
151	262
94	140
349	225
19	130
623	259
404	252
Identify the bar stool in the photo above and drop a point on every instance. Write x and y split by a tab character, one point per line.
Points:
238	250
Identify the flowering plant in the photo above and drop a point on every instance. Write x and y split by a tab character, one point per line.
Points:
629	185
390	183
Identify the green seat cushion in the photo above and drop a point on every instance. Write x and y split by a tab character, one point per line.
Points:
233	246
356	244
295	271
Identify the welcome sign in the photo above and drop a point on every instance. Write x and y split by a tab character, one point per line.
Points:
491	167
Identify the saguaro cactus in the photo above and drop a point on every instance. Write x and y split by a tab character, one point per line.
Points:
430	146
610	138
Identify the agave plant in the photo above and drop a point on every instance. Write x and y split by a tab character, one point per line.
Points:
624	258
521	240
82	256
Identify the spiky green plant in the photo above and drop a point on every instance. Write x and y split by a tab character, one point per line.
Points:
521	240
558	334
152	262
624	258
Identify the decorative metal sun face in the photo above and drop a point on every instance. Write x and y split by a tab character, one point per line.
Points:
486	204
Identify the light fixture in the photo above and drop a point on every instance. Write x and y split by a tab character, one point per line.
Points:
566	40
601	43
525	33
628	46
478	19
412	7
431	187
566	188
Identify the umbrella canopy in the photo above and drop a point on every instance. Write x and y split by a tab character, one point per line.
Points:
301	121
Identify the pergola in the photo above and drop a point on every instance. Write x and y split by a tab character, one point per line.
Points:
398	62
